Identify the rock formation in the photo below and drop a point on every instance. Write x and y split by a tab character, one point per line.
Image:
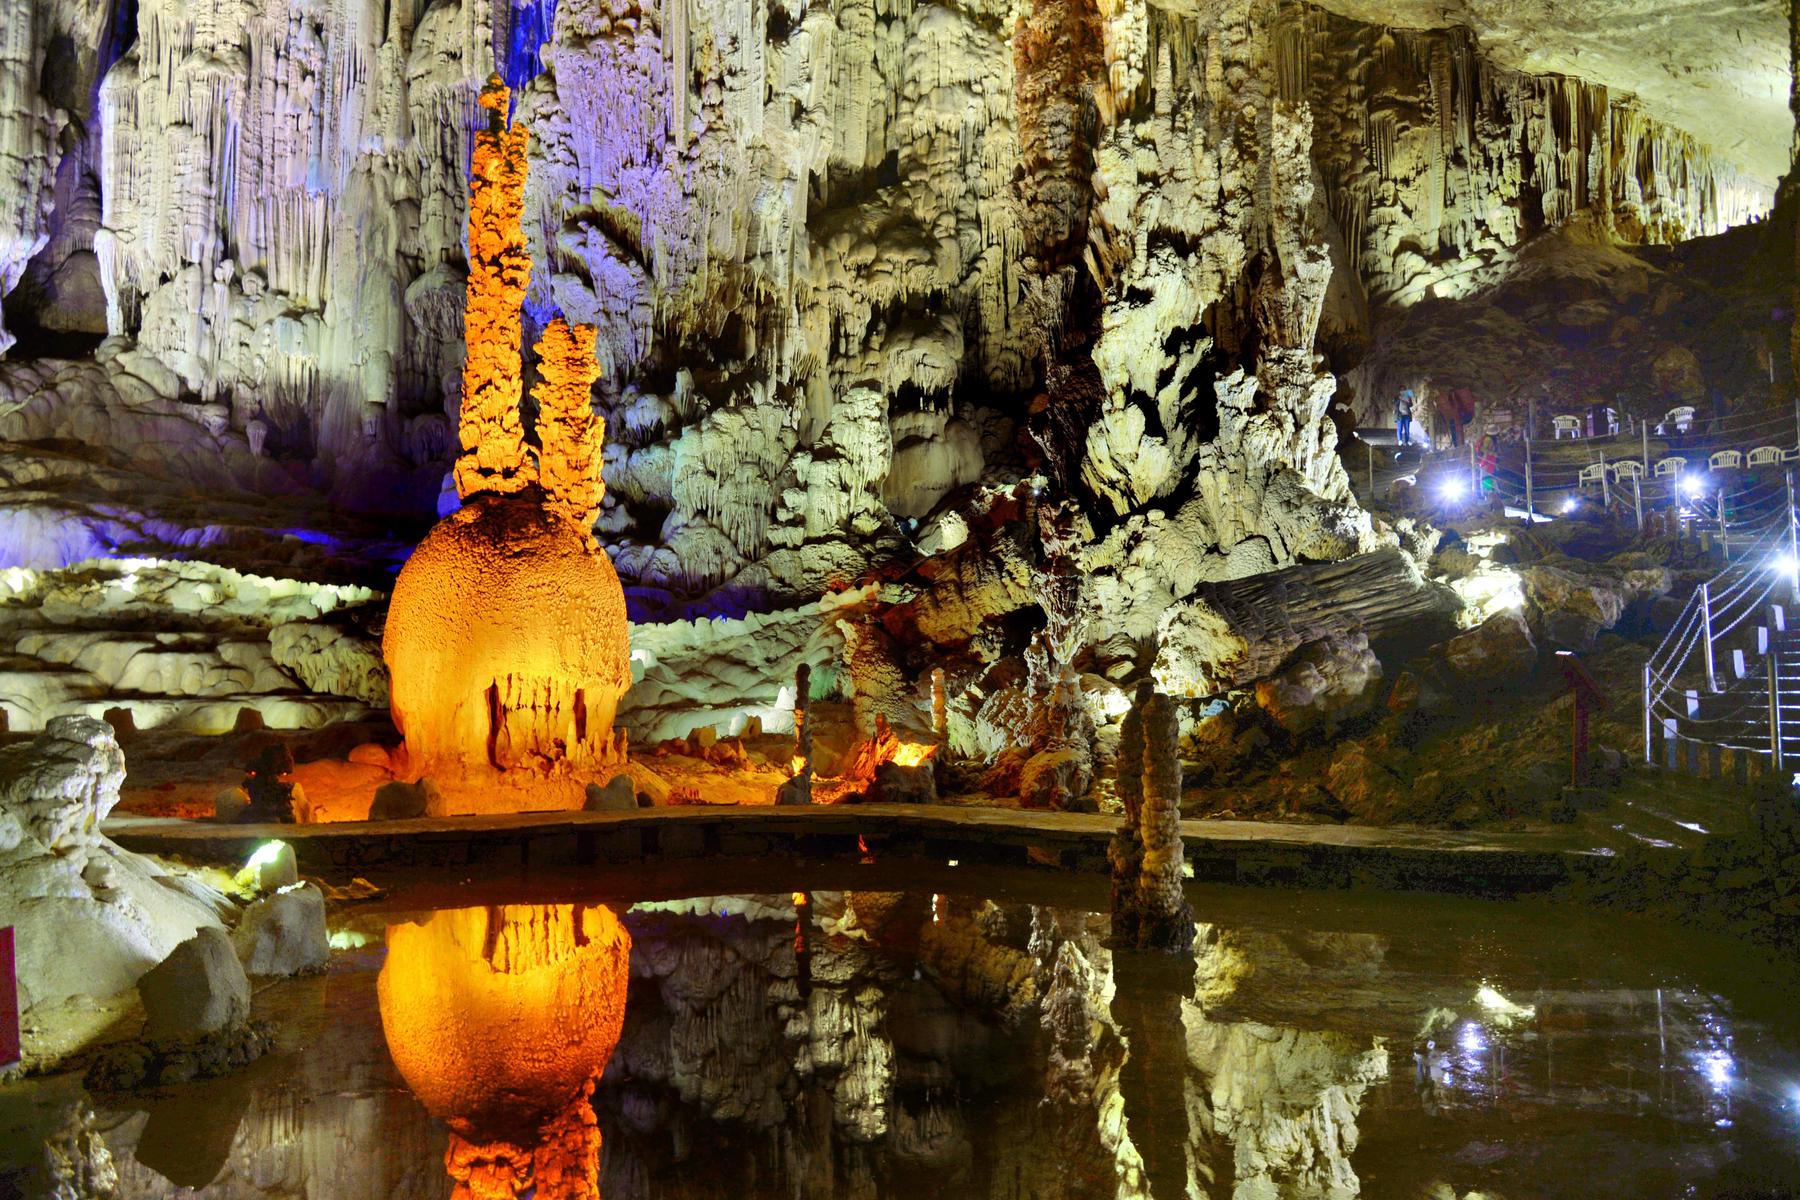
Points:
494	460
506	638
90	918
1125	853
569	434
1165	922
834	259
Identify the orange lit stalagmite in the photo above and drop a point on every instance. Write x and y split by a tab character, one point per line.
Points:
507	643
493	438
500	1020
570	432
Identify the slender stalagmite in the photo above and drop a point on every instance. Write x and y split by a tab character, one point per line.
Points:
1165	920
494	458
1126	851
570	435
798	790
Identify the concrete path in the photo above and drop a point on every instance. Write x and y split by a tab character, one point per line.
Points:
1474	863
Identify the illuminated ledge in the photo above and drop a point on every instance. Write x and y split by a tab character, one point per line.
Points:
1508	863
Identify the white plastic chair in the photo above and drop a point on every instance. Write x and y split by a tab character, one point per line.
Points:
1726	460
1568	425
1762	456
1673	465
1790	454
1592	473
1628	468
1679	419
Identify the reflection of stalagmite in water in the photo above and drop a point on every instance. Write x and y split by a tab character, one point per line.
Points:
1146	1006
500	1020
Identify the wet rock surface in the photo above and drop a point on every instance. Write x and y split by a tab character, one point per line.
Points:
283	933
198	990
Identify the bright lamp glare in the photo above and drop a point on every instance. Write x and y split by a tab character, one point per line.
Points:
1785	563
1694	485
1571	504
1454	487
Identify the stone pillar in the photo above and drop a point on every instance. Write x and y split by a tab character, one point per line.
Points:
1126	852
1165	920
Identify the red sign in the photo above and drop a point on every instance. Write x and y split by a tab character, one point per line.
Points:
9	1002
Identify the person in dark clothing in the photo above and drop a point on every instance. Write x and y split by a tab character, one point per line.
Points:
1403	415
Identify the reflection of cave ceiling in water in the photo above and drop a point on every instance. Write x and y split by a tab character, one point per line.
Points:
909	1044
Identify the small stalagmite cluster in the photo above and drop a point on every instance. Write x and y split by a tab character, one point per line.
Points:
507	639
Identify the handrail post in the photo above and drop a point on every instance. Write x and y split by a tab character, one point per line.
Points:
1637	501
1793	541
1530	428
1648	757
1775	756
1724	523
1712	679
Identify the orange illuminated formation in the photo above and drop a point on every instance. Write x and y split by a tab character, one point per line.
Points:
568	430
507	643
493	440
913	754
500	1020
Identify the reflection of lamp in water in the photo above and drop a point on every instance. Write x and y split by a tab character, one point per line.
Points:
802	950
500	1019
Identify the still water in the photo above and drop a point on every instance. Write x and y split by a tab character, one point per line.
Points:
979	1042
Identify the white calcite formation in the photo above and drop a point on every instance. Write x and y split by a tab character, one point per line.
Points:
868	280
182	645
90	918
818	243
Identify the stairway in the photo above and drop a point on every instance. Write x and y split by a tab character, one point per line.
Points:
1784	665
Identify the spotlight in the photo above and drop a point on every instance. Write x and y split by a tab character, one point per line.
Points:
1694	485
1571	504
1453	487
1472	1040
1785	563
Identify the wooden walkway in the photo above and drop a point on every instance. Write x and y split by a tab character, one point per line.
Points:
1249	852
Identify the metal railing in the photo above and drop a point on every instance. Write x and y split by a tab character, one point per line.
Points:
1748	707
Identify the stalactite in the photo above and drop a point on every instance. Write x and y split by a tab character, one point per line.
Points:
493	456
570	435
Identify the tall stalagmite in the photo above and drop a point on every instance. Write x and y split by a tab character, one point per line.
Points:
1165	920
493	456
1126	852
507	642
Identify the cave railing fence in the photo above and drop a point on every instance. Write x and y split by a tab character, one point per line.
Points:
1726	676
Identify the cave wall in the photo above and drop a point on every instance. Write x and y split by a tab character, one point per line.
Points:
843	261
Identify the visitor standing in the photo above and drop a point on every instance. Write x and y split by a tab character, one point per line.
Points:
1403	415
